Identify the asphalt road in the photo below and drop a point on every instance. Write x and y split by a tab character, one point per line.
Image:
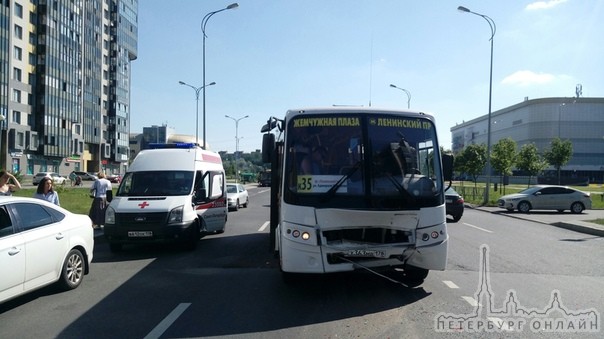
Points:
230	286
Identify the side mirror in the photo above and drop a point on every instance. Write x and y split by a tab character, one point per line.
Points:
268	147
201	195
447	160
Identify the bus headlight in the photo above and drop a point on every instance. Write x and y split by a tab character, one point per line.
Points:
301	234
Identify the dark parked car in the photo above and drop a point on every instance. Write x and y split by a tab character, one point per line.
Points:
454	204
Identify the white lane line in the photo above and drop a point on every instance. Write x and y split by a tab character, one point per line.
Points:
478	228
471	301
450	284
263	227
168	321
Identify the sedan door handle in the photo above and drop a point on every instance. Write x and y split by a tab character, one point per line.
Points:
14	251
59	236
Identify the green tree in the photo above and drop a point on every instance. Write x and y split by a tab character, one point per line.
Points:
559	154
529	161
474	158
503	157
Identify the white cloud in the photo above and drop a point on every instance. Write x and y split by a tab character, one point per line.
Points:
527	78
544	4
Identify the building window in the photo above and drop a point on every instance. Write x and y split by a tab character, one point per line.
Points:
18	53
20	139
16	117
18	32
16	74
18	10
16	95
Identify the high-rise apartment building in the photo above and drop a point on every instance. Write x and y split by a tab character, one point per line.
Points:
65	84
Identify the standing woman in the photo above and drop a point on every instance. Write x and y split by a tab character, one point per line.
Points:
45	191
97	211
5	187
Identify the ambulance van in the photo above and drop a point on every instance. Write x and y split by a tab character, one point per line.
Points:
170	193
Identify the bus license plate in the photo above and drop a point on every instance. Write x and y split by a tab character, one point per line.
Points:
365	253
140	234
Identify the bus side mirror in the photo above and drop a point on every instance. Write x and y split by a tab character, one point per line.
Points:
447	160
268	147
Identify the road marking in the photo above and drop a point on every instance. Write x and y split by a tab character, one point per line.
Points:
450	284
263	227
168	321
478	228
471	301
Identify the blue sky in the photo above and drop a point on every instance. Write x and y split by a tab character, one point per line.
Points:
268	56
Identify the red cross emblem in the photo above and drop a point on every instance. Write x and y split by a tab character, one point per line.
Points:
143	204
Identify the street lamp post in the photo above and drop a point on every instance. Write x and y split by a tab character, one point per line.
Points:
204	22
406	92
197	89
236	142
493	29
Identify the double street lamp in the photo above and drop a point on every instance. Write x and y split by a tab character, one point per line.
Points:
493	29
197	89
236	139
204	22
406	92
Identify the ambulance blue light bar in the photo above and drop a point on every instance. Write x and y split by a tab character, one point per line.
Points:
183	145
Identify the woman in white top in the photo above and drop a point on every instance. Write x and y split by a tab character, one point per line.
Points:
5	187
45	191
97	210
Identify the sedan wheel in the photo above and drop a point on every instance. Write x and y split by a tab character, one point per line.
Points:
73	270
524	207
576	207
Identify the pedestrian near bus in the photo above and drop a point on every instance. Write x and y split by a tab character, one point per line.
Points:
6	187
100	190
45	191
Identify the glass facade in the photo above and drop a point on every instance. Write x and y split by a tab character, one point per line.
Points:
68	92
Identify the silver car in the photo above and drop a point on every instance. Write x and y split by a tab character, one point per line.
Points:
56	178
547	197
237	196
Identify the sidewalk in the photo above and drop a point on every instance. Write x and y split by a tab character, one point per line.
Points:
576	222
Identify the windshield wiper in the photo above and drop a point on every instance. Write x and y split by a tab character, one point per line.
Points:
332	190
399	187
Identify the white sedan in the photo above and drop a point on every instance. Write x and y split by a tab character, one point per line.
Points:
237	196
41	244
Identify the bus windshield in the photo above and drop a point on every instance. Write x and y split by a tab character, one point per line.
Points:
377	161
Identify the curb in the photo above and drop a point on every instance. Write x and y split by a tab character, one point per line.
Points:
577	226
580	226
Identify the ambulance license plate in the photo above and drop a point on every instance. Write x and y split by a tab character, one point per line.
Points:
140	234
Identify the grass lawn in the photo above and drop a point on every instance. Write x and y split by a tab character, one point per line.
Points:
73	199
475	194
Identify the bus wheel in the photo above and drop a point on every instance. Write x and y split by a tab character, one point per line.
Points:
411	276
